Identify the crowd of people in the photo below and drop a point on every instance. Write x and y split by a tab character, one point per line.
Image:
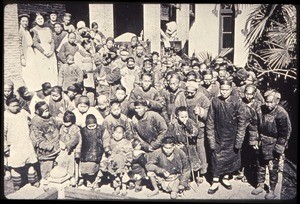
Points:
131	117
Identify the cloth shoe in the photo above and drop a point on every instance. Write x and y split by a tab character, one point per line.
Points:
270	195
259	189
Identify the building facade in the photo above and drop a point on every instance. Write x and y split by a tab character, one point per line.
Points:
200	27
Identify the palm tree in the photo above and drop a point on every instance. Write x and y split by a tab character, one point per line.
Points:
272	41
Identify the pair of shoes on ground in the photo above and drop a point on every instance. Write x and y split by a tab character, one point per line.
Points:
269	196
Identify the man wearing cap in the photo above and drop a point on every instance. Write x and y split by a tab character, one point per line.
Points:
274	132
66	23
52	20
225	129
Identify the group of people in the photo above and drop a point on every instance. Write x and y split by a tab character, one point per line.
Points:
131	118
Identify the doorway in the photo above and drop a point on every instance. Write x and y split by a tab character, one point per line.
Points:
79	11
128	17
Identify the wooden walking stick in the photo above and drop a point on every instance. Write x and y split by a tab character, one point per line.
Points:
193	184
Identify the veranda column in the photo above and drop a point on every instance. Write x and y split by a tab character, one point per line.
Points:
183	24
152	25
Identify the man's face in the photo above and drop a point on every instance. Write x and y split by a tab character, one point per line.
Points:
140	110
174	84
53	17
207	79
55	96
271	102
24	22
183	117
83	108
203	67
168	149
146	82
14	107
115	110
58	28
190	92
249	94
225	91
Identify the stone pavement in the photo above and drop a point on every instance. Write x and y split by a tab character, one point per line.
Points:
240	191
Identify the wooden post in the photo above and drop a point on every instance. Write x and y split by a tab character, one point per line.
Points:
75	193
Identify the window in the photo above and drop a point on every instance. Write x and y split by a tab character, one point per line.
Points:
227	28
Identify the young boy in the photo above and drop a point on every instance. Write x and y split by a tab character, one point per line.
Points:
67	48
116	118
58	103
138	169
69	73
18	145
185	132
91	151
118	159
121	96
103	105
45	138
70	146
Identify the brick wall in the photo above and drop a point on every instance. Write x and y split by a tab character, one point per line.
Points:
12	66
31	9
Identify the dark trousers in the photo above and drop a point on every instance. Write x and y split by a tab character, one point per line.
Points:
273	171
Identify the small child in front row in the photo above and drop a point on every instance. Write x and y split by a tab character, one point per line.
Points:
91	152
117	159
70	145
18	145
138	170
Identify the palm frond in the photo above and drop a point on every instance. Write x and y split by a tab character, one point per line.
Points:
224	52
277	58
204	55
259	20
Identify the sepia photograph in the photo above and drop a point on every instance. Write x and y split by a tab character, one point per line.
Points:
149	101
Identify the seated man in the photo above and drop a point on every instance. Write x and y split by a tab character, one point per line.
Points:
169	167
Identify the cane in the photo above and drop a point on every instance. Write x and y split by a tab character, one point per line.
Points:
193	175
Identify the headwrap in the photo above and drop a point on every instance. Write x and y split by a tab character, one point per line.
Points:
90	119
84	100
273	93
40	107
192	84
9	84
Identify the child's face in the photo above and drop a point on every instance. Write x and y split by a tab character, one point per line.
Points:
67	20
124	55
140	110
67	124
102	104
70	59
46	113
120	94
55	96
118	134
83	108
109	44
14	107
72	38
91	126
183	117
115	109
130	63
58	28
146	82
71	94
7	91
196	69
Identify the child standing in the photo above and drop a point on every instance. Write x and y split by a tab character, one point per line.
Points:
69	73
45	138
91	151
17	143
70	145
117	160
103	105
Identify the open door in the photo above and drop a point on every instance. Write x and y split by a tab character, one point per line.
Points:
128	17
